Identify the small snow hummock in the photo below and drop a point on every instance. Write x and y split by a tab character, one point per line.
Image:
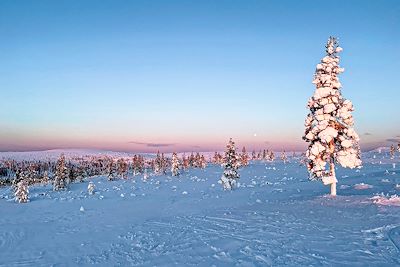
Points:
362	186
82	209
383	200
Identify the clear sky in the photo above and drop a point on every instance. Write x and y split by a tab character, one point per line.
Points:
187	75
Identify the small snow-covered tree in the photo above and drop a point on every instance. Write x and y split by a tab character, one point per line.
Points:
158	164
231	163
185	162
145	175
217	159
16	179
244	157
265	154
270	156
62	174
80	174
22	192
175	165
329	125
203	162
392	151
111	170
45	178
122	168
253	155
398	147
283	156
91	187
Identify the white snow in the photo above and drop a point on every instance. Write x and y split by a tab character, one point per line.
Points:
382	200
275	218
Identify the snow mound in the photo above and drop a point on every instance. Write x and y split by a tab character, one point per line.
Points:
362	186
382	200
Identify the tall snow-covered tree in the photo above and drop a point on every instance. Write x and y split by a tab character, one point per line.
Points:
231	163
329	125
62	174
22	192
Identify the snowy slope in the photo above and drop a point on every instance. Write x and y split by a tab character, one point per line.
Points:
275	218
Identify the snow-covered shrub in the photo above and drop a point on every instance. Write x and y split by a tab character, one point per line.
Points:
91	187
329	125
231	163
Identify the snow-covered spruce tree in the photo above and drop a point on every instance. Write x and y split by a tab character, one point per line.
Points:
16	179
392	150
185	163
158	164
62	174
80	174
22	192
398	147
45	179
231	163
244	157
203	162
145	175
329	125
175	165
270	156
264	154
111	170
283	156
122	168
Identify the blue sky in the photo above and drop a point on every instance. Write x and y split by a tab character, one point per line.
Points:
187	75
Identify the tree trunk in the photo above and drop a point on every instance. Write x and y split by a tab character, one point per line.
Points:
332	169
333	185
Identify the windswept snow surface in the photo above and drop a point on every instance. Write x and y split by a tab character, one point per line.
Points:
276	217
